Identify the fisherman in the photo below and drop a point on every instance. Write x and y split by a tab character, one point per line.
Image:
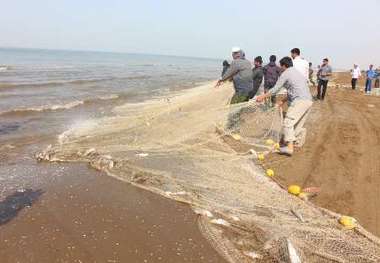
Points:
318	72
226	65
311	74
271	73
257	76
377	79
299	101
299	63
240	71
356	74
324	75
371	75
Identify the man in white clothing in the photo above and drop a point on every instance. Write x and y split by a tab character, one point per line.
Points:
356	74
299	63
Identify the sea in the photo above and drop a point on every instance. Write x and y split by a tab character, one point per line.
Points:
45	92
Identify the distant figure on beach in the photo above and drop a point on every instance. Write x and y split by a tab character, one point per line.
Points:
377	80
240	71
318	72
257	76
324	75
371	75
299	100
355	74
299	63
271	73
226	65
311	74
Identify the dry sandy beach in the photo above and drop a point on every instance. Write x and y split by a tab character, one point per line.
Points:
341	155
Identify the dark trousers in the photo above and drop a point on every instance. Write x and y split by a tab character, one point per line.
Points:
353	83
322	88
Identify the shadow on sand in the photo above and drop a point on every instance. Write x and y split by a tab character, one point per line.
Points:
14	203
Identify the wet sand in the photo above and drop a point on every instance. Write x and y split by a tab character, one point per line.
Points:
73	213
85	216
341	154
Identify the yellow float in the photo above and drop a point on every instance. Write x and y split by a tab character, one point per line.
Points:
294	189
270	173
348	222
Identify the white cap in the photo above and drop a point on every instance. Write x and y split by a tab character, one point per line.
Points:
236	49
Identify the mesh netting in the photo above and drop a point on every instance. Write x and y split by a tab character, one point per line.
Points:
197	149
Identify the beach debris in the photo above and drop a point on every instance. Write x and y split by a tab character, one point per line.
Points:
276	146
371	106
261	157
235	218
142	155
298	215
168	193
90	152
294	189
303	196
253	255
293	256
236	137
269	172
46	155
254	153
311	190
220	221
348	222
103	162
203	212
269	142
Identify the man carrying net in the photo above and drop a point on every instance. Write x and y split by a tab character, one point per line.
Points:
299	101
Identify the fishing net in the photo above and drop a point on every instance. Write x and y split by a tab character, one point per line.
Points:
196	148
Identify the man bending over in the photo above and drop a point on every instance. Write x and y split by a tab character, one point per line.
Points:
299	101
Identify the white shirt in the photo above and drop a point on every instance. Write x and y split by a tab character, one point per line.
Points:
302	66
356	73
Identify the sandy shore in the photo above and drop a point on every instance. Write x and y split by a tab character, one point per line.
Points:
341	154
56	212
85	216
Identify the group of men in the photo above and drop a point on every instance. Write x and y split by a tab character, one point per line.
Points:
372	77
292	75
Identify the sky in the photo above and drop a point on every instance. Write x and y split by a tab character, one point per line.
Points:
346	31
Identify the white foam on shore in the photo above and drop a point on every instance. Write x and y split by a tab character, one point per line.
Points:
57	107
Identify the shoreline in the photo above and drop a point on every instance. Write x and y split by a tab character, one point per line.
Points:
83	215
161	230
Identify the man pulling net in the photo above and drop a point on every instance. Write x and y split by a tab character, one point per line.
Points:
240	71
299	100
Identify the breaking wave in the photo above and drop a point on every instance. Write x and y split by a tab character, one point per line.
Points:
4	68
71	82
56	107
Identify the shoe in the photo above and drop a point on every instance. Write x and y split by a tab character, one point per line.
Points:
286	151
